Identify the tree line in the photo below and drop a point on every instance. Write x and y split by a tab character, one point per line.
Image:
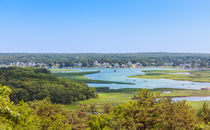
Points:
29	84
87	59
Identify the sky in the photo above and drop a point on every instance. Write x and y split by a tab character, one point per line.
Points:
104	26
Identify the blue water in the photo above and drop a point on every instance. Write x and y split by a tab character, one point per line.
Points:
122	74
192	98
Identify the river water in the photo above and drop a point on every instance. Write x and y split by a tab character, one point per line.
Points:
121	75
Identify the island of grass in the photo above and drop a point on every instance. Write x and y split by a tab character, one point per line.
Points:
182	75
61	70
119	96
80	76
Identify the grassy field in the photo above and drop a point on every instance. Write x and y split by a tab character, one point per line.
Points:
111	98
80	76
182	75
174	92
196	105
119	96
181	92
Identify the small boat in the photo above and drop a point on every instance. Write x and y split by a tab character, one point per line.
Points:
145	81
115	70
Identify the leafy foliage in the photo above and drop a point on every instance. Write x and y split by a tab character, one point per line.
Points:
29	84
33	115
18	116
204	113
52	116
147	112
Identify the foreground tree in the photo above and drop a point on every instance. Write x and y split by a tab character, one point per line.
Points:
176	115
18	116
52	116
33	115
142	113
147	111
204	113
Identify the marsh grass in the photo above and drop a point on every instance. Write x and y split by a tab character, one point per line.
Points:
80	76
119	96
194	76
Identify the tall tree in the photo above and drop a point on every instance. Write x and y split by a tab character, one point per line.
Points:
204	113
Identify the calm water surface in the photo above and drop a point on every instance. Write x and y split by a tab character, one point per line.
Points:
122	74
192	98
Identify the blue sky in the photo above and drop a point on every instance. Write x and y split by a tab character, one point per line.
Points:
68	26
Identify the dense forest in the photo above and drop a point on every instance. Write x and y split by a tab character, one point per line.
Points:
29	84
87	59
146	112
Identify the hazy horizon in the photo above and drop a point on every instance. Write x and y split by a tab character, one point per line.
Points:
105	26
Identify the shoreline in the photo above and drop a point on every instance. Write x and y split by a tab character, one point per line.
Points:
135	68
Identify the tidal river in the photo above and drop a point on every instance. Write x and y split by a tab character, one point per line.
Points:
121	75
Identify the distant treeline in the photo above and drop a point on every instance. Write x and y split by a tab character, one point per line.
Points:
29	84
87	59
